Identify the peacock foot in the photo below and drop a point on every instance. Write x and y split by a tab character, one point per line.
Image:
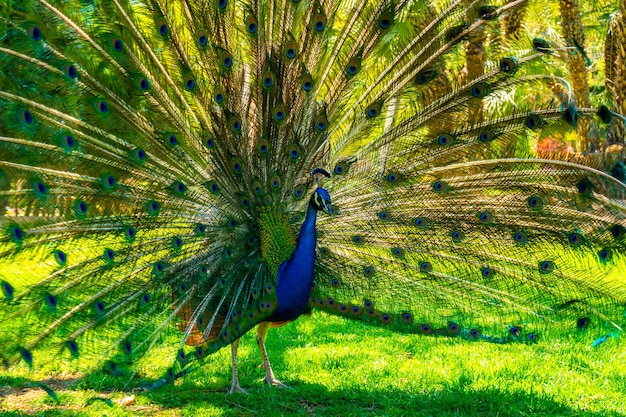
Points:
235	387
275	383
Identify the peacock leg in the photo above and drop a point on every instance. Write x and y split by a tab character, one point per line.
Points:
235	387
261	334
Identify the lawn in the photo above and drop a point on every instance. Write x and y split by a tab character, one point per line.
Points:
337	367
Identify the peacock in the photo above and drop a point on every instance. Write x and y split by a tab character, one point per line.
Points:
185	171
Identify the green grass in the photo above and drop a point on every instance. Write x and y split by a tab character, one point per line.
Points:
336	367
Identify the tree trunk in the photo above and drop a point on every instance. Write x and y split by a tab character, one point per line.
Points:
575	39
615	62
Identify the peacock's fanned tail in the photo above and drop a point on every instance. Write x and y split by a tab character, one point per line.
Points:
156	159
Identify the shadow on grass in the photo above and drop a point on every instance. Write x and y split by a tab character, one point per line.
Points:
193	398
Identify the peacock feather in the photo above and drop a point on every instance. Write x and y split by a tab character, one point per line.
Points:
167	167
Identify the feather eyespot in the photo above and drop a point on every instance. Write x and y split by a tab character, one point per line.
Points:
141	83
386	318
275	182
199	229
479	90
290	50
268	80
453	328
407	318
7	290
16	234
235	124
99	308
545	267
178	187
70	71
618	232
158	268
190	83
535	202
299	191
585	187
108	255
426	329
421	222
130	233
218	96
321	124
457	235
108	182
533	122
80	208
445	140
319	23
280	114
385	20
373	110
26	117
162	28
575	239
26	356
485	217
439	186
153	207
520	238
252	25
72	346
486	136
384	216
171	139
50	301
40	189
605	255
353	67
508	65
582	323
138	155
35	33
202	38
102	107
263	147
307	83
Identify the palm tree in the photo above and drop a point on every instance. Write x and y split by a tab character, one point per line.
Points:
574	36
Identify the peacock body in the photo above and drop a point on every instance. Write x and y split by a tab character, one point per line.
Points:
163	165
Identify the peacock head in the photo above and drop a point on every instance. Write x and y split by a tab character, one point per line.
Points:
320	200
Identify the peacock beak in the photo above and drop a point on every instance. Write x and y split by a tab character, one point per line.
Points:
327	207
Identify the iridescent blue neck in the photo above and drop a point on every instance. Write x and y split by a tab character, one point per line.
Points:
295	276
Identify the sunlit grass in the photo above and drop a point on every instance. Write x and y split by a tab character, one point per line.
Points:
339	367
